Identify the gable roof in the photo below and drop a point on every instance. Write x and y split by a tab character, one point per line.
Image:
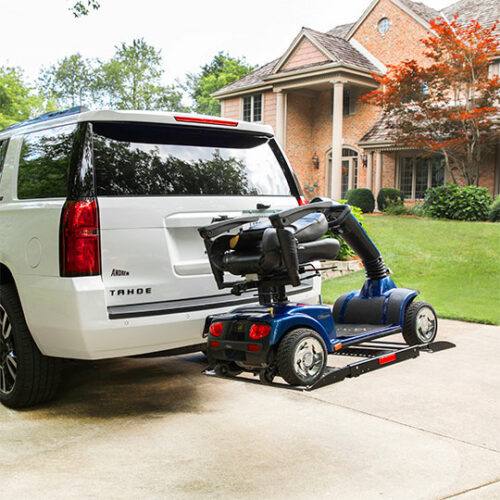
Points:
380	133
341	30
337	47
420	9
251	80
485	11
341	50
304	34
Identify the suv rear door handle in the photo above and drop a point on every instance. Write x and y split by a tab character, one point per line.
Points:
262	206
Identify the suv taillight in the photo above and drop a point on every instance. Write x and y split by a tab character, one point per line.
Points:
302	201
79	238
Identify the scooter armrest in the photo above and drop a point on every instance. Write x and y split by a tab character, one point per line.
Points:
288	217
221	227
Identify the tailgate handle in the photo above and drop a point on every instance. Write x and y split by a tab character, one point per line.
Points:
262	206
220	218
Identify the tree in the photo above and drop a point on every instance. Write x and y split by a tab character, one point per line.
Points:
221	71
447	105
132	80
83	7
69	82
18	101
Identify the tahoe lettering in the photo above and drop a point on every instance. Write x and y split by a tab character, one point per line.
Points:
130	291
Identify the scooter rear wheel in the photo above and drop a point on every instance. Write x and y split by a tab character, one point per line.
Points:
301	357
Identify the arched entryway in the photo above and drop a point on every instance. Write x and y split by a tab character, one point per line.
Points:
350	164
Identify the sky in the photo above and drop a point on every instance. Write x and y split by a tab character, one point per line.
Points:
36	33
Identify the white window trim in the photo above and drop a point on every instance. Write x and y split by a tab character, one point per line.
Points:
414	175
252	107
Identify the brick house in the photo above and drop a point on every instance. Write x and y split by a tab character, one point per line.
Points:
310	95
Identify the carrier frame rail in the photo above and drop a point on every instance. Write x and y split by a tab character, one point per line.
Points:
378	355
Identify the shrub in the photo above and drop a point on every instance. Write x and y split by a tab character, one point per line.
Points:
417	210
494	215
389	196
362	198
346	252
470	203
396	209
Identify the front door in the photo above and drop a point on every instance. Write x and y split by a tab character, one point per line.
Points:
349	171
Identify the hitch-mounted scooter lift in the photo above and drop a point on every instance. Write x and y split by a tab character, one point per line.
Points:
293	340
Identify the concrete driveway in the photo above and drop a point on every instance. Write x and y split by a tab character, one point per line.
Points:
426	428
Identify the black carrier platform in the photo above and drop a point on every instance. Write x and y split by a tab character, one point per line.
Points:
377	355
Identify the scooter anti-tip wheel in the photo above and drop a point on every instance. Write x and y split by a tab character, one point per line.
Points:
266	375
421	324
227	369
301	357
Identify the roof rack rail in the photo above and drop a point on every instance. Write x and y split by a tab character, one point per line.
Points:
52	115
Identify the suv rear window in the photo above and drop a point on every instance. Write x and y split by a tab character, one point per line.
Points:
44	163
159	160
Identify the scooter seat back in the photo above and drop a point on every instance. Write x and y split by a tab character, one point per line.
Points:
249	255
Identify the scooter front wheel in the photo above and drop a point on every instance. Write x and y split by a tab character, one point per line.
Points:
421	324
301	357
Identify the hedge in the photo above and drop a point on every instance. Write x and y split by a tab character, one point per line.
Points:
362	198
389	196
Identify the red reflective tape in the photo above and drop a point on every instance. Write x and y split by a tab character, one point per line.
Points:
387	359
206	121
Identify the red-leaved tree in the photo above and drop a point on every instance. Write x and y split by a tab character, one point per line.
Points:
450	104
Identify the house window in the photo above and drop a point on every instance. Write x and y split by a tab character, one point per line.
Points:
252	108
383	25
417	174
349	102
494	68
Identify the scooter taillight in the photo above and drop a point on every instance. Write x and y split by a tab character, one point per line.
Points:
80	253
259	330
216	329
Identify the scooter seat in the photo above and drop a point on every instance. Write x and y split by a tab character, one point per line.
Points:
257	249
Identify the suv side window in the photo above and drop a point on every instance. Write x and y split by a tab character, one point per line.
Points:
44	163
3	152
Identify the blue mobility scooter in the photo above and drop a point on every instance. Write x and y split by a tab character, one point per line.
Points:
293	340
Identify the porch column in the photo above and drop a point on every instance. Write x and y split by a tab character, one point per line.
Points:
337	123
369	170
378	174
280	132
350	176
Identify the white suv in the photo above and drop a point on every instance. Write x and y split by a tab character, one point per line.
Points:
99	252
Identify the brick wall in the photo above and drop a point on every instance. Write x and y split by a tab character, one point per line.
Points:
299	137
304	53
388	170
232	108
402	41
309	131
270	108
487	173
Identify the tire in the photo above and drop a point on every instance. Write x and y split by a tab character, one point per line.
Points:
421	324
27	377
294	360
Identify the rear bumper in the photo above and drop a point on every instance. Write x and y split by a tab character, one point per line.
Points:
69	318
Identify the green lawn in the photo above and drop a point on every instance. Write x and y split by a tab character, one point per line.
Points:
455	265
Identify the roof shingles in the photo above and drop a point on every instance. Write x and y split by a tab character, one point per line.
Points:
336	44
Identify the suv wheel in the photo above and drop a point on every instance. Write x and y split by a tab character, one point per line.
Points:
27	377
